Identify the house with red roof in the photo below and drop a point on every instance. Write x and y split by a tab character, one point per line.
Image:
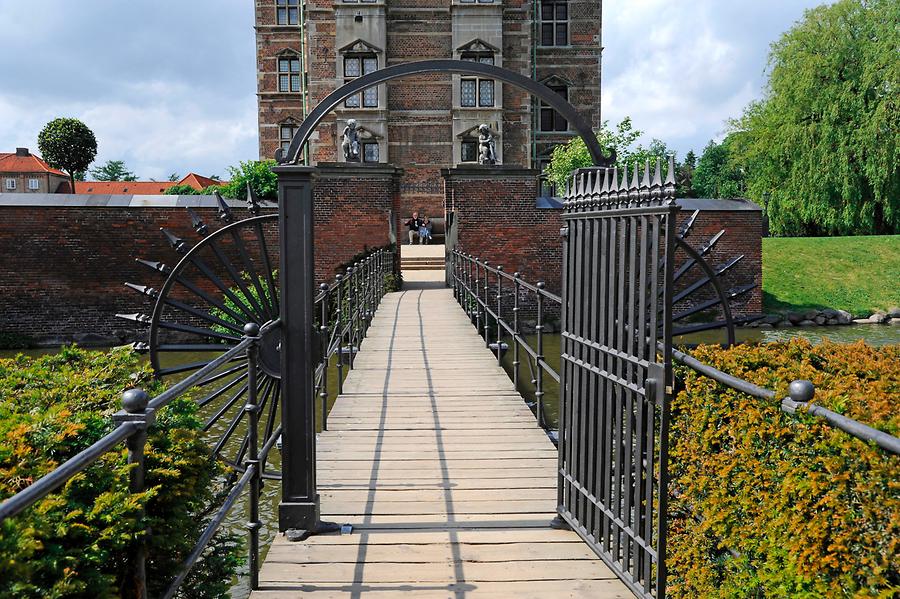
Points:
23	172
142	188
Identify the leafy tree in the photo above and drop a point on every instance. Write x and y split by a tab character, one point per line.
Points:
113	170
716	175
823	141
574	154
69	145
181	190
174	177
260	176
684	177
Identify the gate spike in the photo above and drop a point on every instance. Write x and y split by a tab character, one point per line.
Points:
656	183
669	185
598	183
197	222
224	214
645	182
175	241
604	189
137	318
252	200
143	290
157	266
635	183
622	196
685	228
613	182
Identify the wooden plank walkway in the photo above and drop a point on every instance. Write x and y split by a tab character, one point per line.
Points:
438	465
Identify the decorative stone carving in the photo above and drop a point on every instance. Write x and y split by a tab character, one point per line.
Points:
487	149
350	143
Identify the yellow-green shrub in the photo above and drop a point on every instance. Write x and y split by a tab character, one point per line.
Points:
765	504
74	542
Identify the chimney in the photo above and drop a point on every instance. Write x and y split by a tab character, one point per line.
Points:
22	152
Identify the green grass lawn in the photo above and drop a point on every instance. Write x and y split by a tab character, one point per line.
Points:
857	274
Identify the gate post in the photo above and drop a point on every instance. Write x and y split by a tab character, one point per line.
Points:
299	507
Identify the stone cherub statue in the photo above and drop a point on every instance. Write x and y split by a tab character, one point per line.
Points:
350	143
487	149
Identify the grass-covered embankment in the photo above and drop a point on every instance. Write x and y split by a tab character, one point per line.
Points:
857	274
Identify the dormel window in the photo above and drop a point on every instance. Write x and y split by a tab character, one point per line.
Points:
551	120
554	23
10	184
287	12
477	92
360	58
286	133
34	184
469	150
289	73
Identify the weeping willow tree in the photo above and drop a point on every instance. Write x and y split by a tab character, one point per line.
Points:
823	145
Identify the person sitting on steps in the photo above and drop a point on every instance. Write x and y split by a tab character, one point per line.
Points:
425	227
413	225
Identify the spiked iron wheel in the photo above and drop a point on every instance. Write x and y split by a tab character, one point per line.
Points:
222	283
699	291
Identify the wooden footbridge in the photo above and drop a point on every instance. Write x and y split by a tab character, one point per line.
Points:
441	470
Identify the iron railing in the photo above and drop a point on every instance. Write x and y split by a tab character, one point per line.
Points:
488	292
344	306
344	309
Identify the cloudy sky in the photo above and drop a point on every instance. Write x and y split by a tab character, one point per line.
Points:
169	86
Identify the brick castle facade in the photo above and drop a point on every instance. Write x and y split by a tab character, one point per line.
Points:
308	48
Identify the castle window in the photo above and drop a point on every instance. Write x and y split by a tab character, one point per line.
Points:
550	119
469	150
10	185
289	74
554	23
34	184
476	91
356	66
287	12
286	134
370	151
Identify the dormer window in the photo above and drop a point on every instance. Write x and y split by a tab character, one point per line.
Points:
287	12
475	92
289	73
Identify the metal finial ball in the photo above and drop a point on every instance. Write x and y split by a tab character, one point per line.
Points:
801	391
135	401
251	329
323	287
540	285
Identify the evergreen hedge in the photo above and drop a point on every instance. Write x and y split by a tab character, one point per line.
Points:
765	504
74	542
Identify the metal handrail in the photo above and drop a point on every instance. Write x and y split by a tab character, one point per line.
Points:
470	282
479	288
800	395
364	287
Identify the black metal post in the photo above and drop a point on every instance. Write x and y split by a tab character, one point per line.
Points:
516	331
539	371
323	332
299	507
477	296
134	404
252	462
340	331
499	313
351	313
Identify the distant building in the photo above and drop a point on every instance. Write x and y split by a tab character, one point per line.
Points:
142	188
23	172
307	48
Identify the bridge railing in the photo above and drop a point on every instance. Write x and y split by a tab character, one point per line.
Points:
487	293
345	308
481	290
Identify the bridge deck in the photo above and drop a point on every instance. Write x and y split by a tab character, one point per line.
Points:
439	466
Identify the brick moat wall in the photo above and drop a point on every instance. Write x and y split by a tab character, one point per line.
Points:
65	263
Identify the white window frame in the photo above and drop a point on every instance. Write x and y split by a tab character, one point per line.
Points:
10	184
34	184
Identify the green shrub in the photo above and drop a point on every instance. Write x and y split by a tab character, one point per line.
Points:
765	504
74	542
260	176
181	190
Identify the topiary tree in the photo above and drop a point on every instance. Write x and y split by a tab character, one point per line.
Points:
69	145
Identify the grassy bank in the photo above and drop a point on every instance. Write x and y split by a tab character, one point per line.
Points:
857	274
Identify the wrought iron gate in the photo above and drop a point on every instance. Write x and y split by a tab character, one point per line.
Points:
618	254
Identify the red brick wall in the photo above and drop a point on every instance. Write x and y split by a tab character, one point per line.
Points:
498	222
63	270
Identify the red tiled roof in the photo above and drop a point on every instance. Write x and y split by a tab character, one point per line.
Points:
13	163
141	188
138	188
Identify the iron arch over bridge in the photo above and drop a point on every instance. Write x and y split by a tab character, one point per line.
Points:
568	112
